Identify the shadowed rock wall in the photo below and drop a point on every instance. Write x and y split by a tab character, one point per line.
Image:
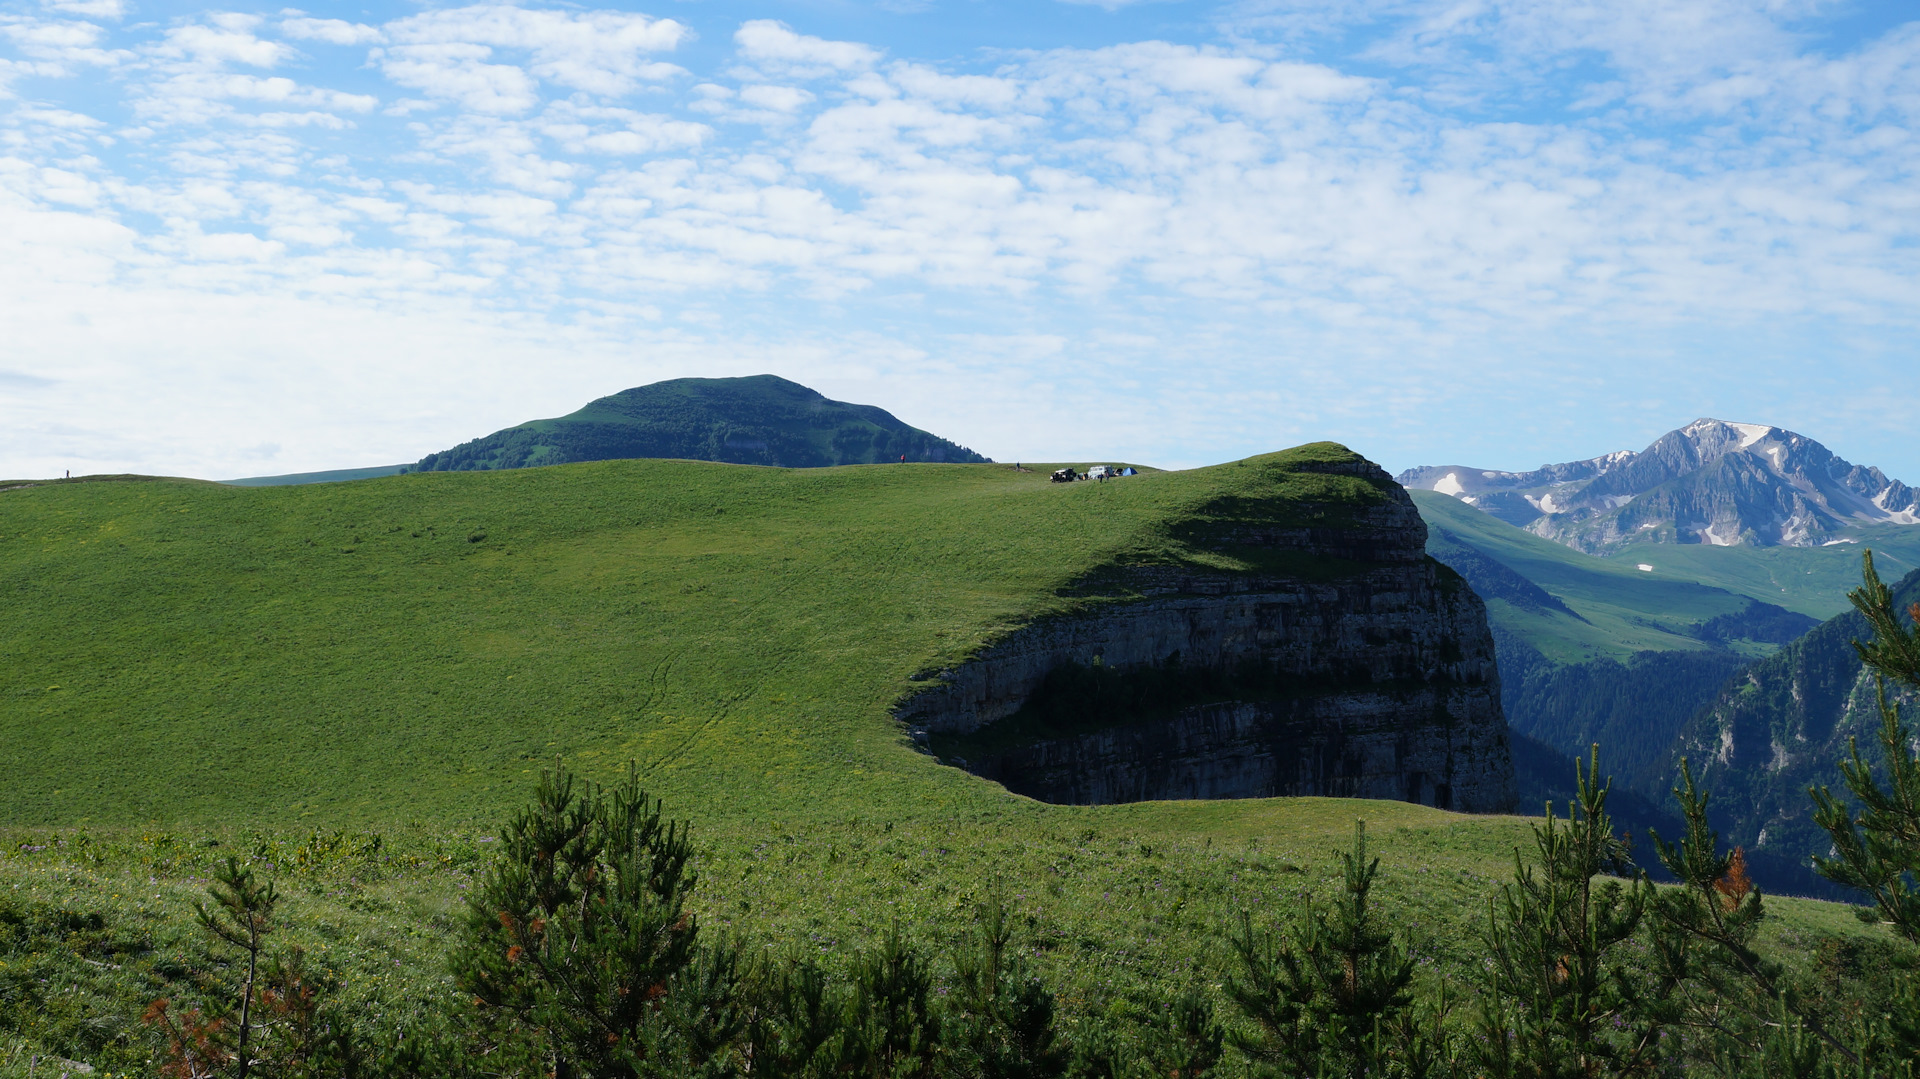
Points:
1369	674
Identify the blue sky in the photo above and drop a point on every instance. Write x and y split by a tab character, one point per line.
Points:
255	239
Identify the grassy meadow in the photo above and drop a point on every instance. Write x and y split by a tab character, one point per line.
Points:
1623	609
1629	609
1119	908
352	683
413	647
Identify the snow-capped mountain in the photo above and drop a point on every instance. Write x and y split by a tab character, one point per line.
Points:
1709	482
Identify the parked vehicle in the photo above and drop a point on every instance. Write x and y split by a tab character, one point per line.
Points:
1065	475
1101	472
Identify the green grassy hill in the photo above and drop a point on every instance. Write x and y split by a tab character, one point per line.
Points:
186	664
1813	581
182	662
417	645
758	420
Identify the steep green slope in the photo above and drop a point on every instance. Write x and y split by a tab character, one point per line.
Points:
1781	727
1606	608
1594	651
415	645
759	420
1810	580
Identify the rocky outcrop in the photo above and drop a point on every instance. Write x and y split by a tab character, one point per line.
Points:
1782	726
1350	665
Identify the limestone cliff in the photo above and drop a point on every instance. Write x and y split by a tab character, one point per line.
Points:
1303	646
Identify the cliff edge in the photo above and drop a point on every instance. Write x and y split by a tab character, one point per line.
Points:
1300	642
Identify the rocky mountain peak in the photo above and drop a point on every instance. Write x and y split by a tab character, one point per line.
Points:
1712	481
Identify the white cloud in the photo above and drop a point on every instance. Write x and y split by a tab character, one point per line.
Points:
773	45
521	215
776	98
586	129
601	52
331	31
229	40
92	9
459	73
1222	210
59	47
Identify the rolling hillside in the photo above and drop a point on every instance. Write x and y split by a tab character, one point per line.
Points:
758	420
334	475
187	651
1813	581
350	684
1573	607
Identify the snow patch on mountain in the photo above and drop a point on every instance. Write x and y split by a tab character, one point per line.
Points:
1710	482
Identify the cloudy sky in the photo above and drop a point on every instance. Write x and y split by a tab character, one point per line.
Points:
252	239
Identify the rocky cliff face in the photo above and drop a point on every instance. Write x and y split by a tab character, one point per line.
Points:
1780	727
1335	659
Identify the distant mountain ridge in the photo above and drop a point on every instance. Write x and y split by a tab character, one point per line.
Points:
756	420
1710	482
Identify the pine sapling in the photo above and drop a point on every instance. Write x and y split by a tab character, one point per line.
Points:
1322	996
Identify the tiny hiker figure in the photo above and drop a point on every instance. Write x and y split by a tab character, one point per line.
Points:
903	458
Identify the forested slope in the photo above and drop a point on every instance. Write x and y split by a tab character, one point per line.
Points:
1591	651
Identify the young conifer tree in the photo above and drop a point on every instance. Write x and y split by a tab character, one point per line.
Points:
1323	995
274	1024
795	1020
1567	997
1000	1024
1186	1043
1877	848
1737	1002
1876	842
893	1028
222	1040
580	935
1175	1039
242	916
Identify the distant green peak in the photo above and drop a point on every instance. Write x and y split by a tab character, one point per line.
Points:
717	393
755	420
